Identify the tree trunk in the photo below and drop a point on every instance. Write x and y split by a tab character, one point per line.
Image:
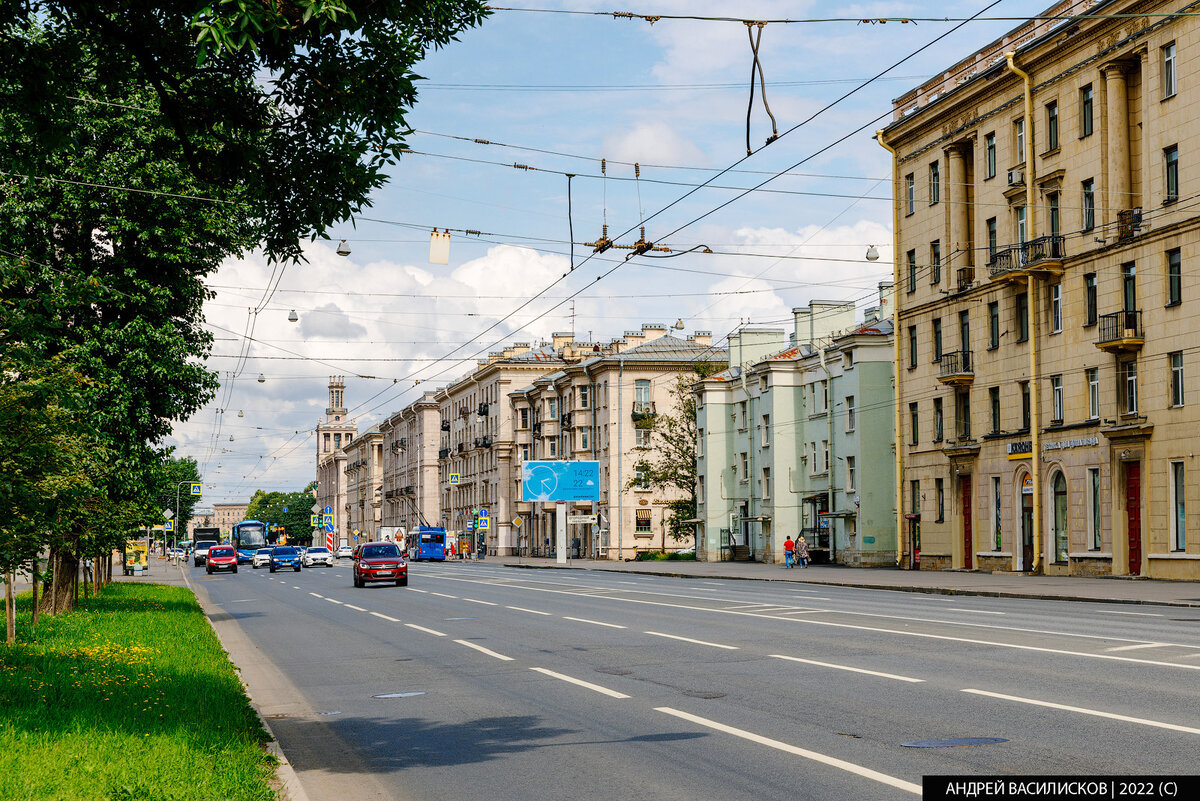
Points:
10	611
58	595
33	576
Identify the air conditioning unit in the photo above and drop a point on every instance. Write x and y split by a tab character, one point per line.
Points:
1016	177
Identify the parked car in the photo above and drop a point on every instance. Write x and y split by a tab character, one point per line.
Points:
221	557
317	556
379	561
245	557
285	556
261	557
200	555
345	551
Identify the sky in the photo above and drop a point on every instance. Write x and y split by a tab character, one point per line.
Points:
558	92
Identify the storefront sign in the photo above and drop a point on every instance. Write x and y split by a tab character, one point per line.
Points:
1027	485
1086	442
1020	450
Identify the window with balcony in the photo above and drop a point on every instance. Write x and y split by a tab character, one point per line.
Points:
1022	224
641	391
1052	206
964	330
1091	309
1176	361
1086	99
1174	277
641	438
992	239
935	183
1169	73
1171	164
1052	126
1129	286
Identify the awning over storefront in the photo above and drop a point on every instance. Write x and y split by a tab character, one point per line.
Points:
838	514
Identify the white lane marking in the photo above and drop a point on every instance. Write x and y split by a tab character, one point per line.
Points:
386	617
427	631
581	683
413	589
1136	647
483	650
833	762
332	601
530	611
697	642
821	598
1138	614
1095	712
593	622
485	603
294	587
973	611
444	595
313	594
355	608
847	667
748	606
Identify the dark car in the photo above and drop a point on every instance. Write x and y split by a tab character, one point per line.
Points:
285	556
379	561
221	557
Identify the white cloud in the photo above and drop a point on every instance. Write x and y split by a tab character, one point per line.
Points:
654	142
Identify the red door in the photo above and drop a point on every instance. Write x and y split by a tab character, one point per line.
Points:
1133	510
964	485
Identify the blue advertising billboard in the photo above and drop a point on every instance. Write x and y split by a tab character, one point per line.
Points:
560	481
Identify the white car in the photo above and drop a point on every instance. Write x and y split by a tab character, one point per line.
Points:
318	556
262	558
345	551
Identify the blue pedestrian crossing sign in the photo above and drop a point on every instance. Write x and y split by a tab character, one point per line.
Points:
315	520
328	520
169	525
484	522
455	478
197	489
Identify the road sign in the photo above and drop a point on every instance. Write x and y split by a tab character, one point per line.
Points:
517	521
328	510
315	520
329	540
455	478
169	525
328	520
483	513
560	481
470	525
168	514
485	522
197	489
583	520
329	527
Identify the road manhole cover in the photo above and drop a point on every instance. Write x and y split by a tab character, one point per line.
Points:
954	742
398	695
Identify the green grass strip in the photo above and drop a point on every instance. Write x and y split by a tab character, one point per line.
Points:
129	697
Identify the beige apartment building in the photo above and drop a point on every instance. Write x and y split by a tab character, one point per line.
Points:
411	439
363	501
334	432
1047	412
596	409
224	515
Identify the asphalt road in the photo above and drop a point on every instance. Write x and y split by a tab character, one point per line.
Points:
501	683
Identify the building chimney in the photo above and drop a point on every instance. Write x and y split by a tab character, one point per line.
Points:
703	338
561	339
652	331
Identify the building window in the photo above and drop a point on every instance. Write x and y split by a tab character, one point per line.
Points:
766	483
1055	308
935	183
989	146
524	418
1178	513
850	421
1026	410
910	192
964	329
993	325
912	423
1089	204
337	441
583	397
766	430
935	262
1052	126
1085	111
937	340
585	438
1022	225
1176	359
1129	285
992	240
1061	538
1091	310
914	497
937	419
742	416
994	402
552	446
552	409
851	476
1171	162
1056	398
699	443
939	486
1019	140
962	413
825	456
1094	507
1093	382
641	392
997	539
1174	277
642	521
1021	315
1169	74
912	347
1055	217
745	458
524	453
641	438
912	270
1129	386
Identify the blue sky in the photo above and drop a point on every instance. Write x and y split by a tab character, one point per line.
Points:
672	97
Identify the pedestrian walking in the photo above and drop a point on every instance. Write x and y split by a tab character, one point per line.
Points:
802	549
789	552
87	569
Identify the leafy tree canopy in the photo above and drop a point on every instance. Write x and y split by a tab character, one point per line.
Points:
269	507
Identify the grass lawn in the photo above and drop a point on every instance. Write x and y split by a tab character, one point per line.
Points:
129	697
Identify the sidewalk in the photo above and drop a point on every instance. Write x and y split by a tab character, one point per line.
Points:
1120	590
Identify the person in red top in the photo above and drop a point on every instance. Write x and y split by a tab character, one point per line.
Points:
789	551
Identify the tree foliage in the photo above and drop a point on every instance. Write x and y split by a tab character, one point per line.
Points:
269	507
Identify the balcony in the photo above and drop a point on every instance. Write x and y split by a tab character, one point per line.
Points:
1121	332
643	410
444	453
462	447
485	442
445	425
537	429
566	420
956	367
966	277
409	490
482	411
1041	256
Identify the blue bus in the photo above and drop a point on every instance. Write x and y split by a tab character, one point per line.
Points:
249	535
429	543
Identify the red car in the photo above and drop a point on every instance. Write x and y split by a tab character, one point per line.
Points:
379	561
221	557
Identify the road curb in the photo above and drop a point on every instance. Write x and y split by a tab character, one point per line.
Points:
290	788
1034	596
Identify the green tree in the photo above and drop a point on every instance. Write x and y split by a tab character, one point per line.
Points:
671	460
269	507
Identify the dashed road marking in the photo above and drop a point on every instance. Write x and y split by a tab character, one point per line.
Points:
697	642
847	667
1083	711
427	631
581	683
593	622
483	650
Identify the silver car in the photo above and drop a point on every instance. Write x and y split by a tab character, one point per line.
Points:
262	558
318	556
